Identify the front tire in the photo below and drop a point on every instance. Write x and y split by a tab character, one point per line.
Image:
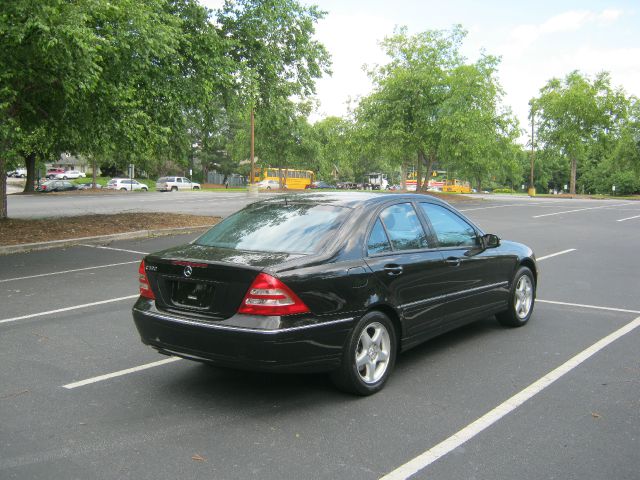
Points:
521	300
369	356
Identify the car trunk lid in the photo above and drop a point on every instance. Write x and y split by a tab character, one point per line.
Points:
205	281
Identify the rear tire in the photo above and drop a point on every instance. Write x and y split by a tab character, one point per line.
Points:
123	189
174	189
521	300
369	356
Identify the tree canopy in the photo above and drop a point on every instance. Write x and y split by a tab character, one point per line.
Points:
148	81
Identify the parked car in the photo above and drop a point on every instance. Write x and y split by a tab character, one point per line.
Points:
338	282
52	172
320	185
173	184
347	186
87	185
56	186
18	173
268	184
69	174
126	184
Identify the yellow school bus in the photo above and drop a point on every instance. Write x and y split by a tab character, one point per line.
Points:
295	179
456	186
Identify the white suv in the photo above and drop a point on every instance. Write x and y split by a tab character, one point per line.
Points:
126	184
172	184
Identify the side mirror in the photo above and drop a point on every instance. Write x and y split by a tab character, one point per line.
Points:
490	240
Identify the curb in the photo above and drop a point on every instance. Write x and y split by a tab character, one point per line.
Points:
100	239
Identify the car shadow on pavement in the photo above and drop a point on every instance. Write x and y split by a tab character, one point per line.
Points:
223	387
220	387
457	338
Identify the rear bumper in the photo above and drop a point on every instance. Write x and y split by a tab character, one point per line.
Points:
245	342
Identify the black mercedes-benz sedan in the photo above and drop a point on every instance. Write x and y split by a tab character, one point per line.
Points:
336	282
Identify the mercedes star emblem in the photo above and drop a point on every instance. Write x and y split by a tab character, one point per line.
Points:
188	271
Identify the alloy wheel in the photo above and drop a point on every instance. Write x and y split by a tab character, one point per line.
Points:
523	296
373	353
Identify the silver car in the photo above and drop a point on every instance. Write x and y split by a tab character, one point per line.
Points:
173	184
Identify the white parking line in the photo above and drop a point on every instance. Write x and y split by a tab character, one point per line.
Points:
498	206
67	309
579	210
112	248
67	271
556	254
467	433
610	309
119	373
628	218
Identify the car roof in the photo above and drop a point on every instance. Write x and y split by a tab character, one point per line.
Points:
351	199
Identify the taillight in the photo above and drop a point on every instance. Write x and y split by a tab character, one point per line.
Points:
269	296
145	288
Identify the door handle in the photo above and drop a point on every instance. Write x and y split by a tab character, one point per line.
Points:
392	269
452	262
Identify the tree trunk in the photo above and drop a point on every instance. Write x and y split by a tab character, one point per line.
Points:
3	189
430	163
419	172
93	172
572	181
403	176
427	162
30	160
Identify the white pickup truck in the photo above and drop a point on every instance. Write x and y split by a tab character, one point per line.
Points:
377	181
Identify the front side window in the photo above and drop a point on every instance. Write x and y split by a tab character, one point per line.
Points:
450	229
403	227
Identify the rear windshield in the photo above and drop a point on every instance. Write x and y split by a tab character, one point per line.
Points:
290	228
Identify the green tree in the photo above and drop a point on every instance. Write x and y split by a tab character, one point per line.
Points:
48	61
272	42
575	113
431	105
127	82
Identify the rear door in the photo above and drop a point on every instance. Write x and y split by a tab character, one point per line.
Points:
403	258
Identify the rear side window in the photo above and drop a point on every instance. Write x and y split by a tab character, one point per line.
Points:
378	240
403	227
279	227
162	179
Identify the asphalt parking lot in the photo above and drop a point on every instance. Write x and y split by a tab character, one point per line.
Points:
81	397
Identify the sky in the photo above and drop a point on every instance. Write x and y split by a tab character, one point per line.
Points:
536	41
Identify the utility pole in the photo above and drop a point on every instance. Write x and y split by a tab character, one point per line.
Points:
532	188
